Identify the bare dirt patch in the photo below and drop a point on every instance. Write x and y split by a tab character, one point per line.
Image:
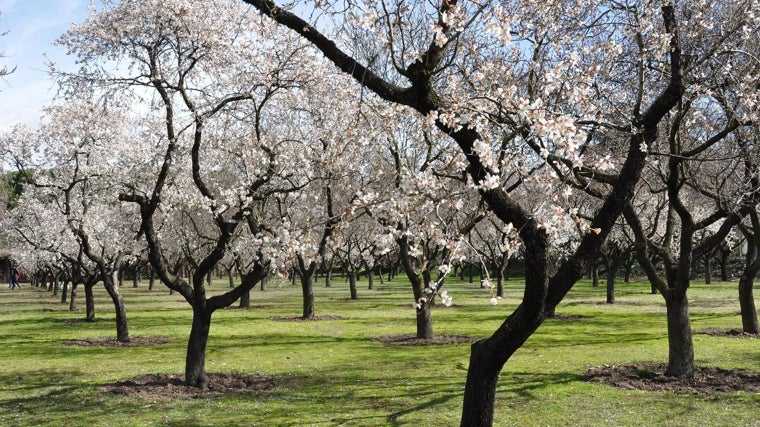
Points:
303	319
650	377
111	342
411	339
731	333
167	386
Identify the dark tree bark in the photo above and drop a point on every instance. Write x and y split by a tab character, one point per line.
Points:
245	300
89	300
750	323
73	299
65	291
725	254
370	279
136	276
307	294
152	279
351	274
611	272
195	359
489	356
680	344
595	274
112	287
749	273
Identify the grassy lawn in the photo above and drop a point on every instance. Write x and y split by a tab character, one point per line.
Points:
332	373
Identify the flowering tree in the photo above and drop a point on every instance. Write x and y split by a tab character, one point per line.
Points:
512	84
703	136
215	151
71	154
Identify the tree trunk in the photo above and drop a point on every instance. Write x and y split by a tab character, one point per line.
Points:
595	275
328	277
73	299
56	283
136	277
487	358
380	275
708	269
264	281
424	322
680	345
65	292
89	301
724	255
245	300
747	303
352	284
230	278
500	276
122	329
152	279
307	290
370	279
628	269
612	269
610	286
195	360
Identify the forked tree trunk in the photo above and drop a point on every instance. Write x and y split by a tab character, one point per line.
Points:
680	344
195	360
424	322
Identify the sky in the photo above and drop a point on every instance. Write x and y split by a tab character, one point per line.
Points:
31	27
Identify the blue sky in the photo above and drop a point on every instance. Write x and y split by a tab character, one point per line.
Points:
32	26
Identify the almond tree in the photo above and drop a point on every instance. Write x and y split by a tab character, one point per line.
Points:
485	75
216	145
71	189
693	167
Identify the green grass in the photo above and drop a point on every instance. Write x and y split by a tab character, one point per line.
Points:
331	372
